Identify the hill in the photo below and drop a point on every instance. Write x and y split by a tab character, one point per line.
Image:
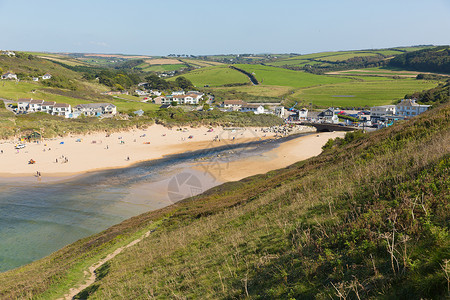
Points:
219	75
368	218
322	62
426	60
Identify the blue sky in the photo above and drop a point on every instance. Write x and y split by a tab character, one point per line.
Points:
221	27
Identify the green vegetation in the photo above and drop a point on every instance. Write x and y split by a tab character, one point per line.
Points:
367	219
427	60
215	76
52	126
282	77
359	93
440	94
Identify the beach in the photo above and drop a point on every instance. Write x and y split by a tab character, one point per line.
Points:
286	154
78	154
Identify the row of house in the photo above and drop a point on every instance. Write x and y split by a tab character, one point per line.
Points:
239	105
7	52
64	109
12	76
51	107
180	97
405	109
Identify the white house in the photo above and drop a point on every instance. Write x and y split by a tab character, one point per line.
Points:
233	104
47	106
141	93
329	115
384	110
35	105
61	109
46	76
23	104
302	114
279	111
35	78
177	93
10	76
409	108
256	109
95	109
7	52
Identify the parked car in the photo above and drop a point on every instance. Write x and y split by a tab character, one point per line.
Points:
20	146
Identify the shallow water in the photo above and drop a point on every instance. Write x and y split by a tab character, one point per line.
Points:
38	218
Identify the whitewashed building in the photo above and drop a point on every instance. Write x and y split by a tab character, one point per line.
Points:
256	109
409	108
233	104
95	109
61	109
384	110
46	76
9	76
35	105
23	104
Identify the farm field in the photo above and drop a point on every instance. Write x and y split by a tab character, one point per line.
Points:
359	93
215	76
161	68
281	77
201	63
259	90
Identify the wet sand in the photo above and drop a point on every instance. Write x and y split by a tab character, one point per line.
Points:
286	154
73	155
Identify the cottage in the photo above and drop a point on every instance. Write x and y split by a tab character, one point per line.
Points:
302	114
35	105
47	106
46	76
328	115
9	76
233	104
141	93
35	78
61	109
409	108
23	104
377	112
256	109
96	109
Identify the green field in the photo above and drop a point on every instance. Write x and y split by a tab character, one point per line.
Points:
215	76
282	77
161	68
366	93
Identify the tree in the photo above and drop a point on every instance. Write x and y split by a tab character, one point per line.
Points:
183	83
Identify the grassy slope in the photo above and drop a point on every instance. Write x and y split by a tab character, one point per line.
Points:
282	77
366	93
215	76
312	230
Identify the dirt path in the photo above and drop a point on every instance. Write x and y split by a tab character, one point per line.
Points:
91	271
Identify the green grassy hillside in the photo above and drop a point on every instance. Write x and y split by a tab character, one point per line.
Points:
282	77
366	219
215	76
369	92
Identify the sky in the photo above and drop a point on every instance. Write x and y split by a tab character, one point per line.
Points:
202	27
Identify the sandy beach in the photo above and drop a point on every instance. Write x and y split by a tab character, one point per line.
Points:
286	154
74	155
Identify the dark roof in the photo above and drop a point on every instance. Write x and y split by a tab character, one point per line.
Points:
165	106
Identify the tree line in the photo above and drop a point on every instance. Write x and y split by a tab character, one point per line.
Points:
427	60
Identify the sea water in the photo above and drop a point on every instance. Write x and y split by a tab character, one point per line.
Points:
38	217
